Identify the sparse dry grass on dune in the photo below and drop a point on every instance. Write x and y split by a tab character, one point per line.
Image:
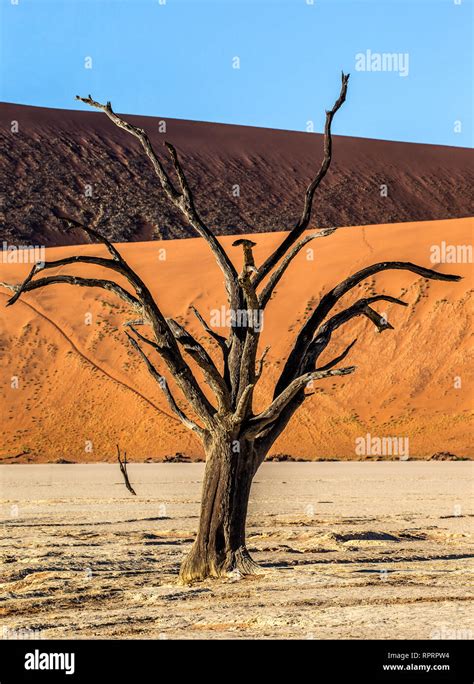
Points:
350	550
81	383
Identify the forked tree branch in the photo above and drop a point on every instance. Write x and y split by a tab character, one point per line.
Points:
255	425
360	308
70	280
161	380
275	278
141	337
118	264
328	301
305	217
38	267
220	339
182	200
197	352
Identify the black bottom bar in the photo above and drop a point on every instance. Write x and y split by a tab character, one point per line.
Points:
142	661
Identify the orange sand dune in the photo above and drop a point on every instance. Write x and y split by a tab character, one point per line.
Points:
82	389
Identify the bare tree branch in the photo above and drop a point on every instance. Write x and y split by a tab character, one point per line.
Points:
246	373
254	425
220	339
119	265
91	231
37	268
181	200
328	301
139	133
337	359
305	218
142	337
243	405
204	361
70	280
321	341
359	308
136	321
259	370
161	380
275	278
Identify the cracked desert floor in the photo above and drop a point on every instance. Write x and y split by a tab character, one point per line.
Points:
348	550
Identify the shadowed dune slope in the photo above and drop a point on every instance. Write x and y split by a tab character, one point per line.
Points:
245	179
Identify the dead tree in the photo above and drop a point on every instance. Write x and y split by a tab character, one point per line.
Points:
235	439
124	471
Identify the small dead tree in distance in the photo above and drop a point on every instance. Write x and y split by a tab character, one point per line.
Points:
235	440
123	469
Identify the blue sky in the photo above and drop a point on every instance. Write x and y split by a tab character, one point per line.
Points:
176	60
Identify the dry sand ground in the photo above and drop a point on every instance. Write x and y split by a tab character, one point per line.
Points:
414	381
350	550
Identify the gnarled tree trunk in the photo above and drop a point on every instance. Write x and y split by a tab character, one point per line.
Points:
220	547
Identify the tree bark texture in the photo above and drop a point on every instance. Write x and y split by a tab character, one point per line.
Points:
220	547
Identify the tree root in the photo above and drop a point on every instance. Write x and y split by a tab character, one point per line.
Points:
243	563
196	567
